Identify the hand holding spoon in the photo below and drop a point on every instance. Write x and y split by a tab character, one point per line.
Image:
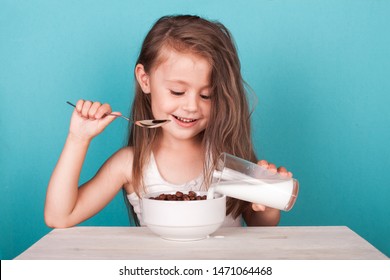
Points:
141	123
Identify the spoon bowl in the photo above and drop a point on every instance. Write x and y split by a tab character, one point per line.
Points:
142	123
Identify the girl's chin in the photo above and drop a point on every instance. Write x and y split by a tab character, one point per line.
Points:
183	133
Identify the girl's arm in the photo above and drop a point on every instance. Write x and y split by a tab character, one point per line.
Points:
67	204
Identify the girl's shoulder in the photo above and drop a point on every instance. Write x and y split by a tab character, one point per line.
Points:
124	156
120	165
122	160
125	151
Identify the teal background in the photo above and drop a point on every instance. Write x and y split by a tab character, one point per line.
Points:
320	70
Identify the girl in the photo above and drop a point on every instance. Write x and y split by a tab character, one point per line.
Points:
188	71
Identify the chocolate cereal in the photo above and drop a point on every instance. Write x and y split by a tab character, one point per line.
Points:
179	196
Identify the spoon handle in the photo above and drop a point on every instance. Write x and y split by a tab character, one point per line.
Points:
71	104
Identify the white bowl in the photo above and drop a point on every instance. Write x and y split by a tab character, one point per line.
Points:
183	220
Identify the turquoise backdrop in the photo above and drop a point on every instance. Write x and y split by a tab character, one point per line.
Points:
320	70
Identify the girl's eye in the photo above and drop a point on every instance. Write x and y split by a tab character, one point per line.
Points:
178	93
205	96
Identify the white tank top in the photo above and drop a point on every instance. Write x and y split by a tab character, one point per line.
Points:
154	182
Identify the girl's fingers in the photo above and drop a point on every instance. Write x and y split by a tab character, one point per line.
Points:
92	111
272	168
263	163
79	105
85	109
267	165
103	110
282	171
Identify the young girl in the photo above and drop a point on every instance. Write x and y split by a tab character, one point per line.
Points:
188	71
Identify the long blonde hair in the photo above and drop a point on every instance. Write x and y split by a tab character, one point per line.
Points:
229	129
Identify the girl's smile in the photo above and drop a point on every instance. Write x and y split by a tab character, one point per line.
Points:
184	121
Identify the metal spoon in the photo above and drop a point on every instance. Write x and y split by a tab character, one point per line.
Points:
141	123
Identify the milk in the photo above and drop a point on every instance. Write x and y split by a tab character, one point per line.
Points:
276	192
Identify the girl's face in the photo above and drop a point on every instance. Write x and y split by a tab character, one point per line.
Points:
180	91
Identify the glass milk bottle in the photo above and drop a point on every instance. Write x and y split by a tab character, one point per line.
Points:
248	181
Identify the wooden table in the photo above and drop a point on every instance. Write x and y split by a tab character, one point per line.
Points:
271	243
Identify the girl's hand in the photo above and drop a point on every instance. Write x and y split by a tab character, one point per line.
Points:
271	167
89	119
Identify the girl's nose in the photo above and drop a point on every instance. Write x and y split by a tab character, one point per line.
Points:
190	103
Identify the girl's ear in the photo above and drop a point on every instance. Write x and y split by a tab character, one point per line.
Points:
142	78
